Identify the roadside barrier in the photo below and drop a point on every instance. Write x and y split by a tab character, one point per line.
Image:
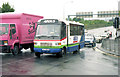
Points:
111	46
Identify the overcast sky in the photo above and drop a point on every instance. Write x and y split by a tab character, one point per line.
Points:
60	8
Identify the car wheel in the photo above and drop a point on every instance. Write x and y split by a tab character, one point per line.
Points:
93	45
99	41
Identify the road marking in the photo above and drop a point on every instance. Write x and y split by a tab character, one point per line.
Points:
105	52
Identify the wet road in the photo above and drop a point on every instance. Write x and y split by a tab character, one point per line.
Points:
88	62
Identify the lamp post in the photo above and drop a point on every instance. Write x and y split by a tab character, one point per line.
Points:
119	6
64	8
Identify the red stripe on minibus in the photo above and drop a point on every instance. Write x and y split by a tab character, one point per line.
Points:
51	40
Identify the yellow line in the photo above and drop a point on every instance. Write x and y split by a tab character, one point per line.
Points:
105	52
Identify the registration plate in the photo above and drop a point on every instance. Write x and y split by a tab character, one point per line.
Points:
86	43
45	49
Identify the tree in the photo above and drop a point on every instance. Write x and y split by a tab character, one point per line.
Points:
0	10
6	8
70	19
77	19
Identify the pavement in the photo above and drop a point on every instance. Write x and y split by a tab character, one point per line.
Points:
100	49
100	32
89	61
107	52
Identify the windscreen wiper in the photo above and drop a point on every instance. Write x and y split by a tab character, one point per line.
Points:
42	36
54	36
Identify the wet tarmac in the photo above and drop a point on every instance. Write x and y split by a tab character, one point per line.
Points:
87	62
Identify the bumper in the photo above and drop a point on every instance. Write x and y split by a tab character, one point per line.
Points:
45	50
4	48
98	40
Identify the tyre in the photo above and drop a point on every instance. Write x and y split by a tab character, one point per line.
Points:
75	52
15	51
99	41
32	47
64	50
60	54
37	54
93	45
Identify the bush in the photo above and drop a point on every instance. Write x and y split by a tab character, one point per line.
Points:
91	24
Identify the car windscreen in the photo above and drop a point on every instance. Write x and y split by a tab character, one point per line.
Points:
4	29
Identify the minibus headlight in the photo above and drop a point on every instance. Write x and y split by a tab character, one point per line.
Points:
35	43
59	43
5	42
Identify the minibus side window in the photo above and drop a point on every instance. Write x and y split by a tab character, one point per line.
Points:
82	30
74	29
79	31
71	30
63	30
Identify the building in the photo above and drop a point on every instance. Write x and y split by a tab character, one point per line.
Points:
100	14
84	14
106	14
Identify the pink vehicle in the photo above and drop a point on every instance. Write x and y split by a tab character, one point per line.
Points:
17	31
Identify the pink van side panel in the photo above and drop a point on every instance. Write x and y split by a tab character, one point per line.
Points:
16	15
26	25
28	28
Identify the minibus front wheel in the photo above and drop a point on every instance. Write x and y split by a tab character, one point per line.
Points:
37	54
60	54
63	51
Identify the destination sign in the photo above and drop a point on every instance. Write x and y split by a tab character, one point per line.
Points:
49	21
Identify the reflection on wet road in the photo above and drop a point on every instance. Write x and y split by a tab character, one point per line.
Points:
87	62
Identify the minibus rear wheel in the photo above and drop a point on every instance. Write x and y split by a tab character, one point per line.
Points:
77	51
37	54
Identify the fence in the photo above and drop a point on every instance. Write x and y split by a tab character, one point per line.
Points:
111	45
